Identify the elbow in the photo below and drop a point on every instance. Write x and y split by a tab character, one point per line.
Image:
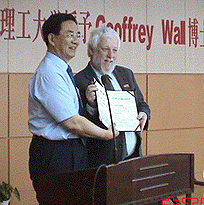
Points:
73	124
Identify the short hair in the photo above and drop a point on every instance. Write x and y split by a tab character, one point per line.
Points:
97	34
53	24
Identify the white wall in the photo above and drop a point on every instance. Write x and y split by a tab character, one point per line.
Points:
148	54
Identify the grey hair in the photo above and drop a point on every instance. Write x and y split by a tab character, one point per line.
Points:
97	34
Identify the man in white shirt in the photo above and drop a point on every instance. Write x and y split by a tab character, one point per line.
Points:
55	119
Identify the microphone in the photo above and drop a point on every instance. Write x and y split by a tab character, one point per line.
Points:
104	81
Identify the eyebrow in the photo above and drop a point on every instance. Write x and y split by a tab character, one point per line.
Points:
70	31
116	47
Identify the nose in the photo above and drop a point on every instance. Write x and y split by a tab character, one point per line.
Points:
110	53
75	40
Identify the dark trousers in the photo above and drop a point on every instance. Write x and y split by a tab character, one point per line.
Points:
51	157
102	152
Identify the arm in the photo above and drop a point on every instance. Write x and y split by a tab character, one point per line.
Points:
143	108
142	117
82	126
125	76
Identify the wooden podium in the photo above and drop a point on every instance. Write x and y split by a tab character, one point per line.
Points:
141	180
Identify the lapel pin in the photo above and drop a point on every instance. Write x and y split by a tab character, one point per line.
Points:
126	85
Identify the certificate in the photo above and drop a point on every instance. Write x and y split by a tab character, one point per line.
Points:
123	109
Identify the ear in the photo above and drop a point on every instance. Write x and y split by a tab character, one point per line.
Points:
90	51
51	39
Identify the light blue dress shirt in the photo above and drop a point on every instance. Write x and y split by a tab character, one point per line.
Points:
52	99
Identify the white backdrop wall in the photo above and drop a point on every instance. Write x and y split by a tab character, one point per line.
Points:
160	36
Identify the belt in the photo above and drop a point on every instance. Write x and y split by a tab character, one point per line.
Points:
41	138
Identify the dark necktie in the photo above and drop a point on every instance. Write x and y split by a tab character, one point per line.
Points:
120	140
107	82
70	73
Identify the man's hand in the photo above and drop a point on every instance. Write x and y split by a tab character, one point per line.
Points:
91	94
114	128
142	117
110	130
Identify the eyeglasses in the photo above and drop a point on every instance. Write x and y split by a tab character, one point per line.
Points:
71	36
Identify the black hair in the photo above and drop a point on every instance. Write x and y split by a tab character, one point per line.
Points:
53	24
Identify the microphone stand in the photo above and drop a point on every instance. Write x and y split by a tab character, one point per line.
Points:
112	125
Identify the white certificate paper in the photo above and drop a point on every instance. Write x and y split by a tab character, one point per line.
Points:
123	109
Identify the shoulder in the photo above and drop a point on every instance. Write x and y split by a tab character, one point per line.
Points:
80	73
84	75
49	71
123	70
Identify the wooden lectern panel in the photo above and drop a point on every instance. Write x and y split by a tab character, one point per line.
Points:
139	180
150	179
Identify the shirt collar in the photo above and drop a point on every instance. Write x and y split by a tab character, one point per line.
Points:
58	61
99	73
